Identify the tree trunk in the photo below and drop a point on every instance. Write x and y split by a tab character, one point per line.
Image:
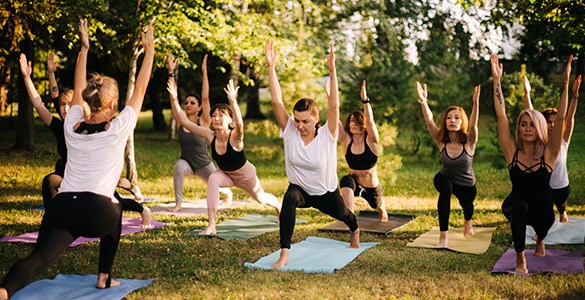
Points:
25	135
251	92
157	89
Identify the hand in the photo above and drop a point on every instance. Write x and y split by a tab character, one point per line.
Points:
148	38
567	73
172	88
576	86
204	65
497	68
526	84
363	93
51	66
84	33
328	87
422	92
271	54
25	66
232	91
172	63
331	58
476	92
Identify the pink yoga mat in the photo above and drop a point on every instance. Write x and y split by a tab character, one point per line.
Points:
555	261
128	226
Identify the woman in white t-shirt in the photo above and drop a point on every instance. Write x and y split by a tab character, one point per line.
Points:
310	153
85	205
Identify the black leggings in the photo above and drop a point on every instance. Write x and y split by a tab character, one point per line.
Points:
330	203
372	195
560	197
520	213
51	184
70	216
446	188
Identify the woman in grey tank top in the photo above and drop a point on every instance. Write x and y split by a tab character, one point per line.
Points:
194	158
456	140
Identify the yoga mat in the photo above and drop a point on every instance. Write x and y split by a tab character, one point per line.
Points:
477	244
572	232
79	287
246	227
191	208
314	255
369	221
555	261
128	226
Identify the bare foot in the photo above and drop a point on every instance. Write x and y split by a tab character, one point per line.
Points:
137	194
468	229
443	239
145	218
354	239
209	230
521	263
102	281
535	237
229	199
539	248
383	215
3	294
564	218
175	209
282	260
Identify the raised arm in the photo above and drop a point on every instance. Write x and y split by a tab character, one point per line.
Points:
172	66
143	78
555	139
205	119
527	89
182	118
507	142
238	134
342	136
570	122
80	77
275	92
53	88
373	136
333	101
426	110
473	129
33	95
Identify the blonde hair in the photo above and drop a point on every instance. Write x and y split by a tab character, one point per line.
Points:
462	132
540	127
100	92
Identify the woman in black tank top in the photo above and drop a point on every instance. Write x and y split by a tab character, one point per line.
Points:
456	138
359	139
531	158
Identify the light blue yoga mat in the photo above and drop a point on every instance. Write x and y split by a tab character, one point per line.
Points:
79	287
314	255
572	232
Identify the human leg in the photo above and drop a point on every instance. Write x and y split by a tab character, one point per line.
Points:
560	197
181	170
247	180
50	186
541	218
132	205
445	188
374	198
293	197
466	196
348	186
332	204
204	174
108	248
215	180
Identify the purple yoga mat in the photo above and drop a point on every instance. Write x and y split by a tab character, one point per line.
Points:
555	261
128	226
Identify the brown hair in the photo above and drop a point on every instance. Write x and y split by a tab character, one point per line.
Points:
306	104
359	119
462	132
549	112
100	92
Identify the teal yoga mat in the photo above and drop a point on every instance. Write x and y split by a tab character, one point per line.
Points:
572	232
314	255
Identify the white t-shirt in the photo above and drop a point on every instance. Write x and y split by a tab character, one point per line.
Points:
95	161
312	167
559	177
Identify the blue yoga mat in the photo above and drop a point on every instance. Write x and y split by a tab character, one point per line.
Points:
572	232
314	255
79	287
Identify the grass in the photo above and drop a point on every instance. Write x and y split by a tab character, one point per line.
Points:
187	267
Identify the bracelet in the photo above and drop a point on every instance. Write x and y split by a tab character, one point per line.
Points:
366	101
171	75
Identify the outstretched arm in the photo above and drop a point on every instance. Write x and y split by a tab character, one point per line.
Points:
570	123
556	136
79	80
238	135
373	136
473	129
145	70
426	110
53	88
275	92
507	142
333	101
33	95
182	118
205	106
342	136
527	89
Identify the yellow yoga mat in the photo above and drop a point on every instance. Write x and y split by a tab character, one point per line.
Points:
477	244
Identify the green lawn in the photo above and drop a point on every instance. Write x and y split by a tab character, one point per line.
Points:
188	267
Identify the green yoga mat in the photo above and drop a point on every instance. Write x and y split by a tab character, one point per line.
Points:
477	244
369	221
246	227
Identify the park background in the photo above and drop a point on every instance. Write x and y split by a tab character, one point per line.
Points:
391	44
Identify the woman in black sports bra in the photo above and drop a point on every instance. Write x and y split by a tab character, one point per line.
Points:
456	140
531	158
234	168
359	139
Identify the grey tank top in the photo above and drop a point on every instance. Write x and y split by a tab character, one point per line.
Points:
458	169
193	149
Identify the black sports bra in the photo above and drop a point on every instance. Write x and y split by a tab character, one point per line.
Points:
363	161
231	160
91	128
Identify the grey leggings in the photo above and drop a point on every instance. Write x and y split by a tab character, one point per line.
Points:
183	169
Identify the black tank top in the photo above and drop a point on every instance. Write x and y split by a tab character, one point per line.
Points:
363	161
231	160
532	183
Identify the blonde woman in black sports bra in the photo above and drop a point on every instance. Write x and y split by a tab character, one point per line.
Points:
456	140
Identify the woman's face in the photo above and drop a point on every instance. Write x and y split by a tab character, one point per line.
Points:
453	120
354	127
527	130
64	105
220	119
550	122
304	122
191	105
